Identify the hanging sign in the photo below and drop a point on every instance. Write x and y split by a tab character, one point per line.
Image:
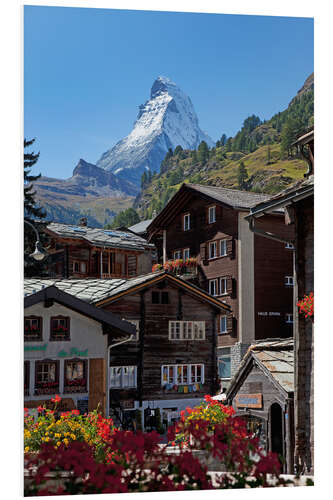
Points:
249	400
35	347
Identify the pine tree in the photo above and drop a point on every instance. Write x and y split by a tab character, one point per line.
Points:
223	140
289	134
242	176
229	145
125	218
203	152
31	210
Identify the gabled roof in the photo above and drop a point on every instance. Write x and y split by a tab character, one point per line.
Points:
99	291
108	238
52	293
276	359
233	198
140	227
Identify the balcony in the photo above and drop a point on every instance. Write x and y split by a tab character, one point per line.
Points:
186	269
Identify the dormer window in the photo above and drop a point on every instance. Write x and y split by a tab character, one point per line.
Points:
187	222
211	215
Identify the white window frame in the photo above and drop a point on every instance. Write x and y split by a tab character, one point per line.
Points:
290	246
289	280
289	318
177	254
212	244
223	248
187	330
135	322
225	320
224	288
216	287
186	251
187	222
192	374
122	380
212	210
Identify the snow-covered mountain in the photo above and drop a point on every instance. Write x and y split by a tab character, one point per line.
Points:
166	120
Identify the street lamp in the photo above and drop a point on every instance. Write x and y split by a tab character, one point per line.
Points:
38	254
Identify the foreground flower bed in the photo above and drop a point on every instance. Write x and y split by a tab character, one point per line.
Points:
116	461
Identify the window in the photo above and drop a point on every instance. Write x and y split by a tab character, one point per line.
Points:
177	254
224	363
186	253
26	378
289	318
122	377
187	222
160	297
183	374
33	328
186	330
211	215
79	267
290	245
223	248
75	377
212	249
46	377
223	286
135	322
223	324
213	287
289	280
60	328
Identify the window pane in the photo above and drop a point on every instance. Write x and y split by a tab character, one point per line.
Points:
185	375
225	367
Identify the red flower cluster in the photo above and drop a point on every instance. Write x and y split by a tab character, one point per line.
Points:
176	265
306	305
56	399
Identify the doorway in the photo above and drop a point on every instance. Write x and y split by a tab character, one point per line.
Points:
276	429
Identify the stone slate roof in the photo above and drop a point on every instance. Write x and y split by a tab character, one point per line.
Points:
94	291
231	197
276	356
108	238
140	227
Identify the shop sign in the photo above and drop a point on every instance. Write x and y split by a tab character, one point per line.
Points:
249	400
270	313
72	352
35	347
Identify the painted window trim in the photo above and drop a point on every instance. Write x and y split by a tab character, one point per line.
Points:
216	287
212	244
40	321
226	250
209	216
189	374
53	335
184	326
226	286
85	374
187	217
122	386
52	390
224	332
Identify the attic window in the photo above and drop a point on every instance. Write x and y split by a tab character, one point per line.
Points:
160	297
211	215
187	222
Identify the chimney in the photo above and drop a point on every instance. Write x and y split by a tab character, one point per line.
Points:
83	222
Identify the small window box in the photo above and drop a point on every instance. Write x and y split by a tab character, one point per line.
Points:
33	329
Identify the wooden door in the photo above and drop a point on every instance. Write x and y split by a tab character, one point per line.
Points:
97	380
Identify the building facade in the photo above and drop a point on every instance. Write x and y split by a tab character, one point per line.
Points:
252	275
84	252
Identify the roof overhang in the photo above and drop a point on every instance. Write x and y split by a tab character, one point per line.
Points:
189	287
52	294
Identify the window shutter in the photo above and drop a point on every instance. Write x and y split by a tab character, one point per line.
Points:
203	252
234	288
231	248
218	212
193	221
230	324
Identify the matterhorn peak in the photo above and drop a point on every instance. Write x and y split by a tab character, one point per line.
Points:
166	120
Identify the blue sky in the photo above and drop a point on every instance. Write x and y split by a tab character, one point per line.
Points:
86	71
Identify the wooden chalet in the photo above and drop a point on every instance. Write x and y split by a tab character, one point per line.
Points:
172	362
298	204
251	274
262	392
65	349
83	252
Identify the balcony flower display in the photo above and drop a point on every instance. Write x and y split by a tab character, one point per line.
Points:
306	306
177	266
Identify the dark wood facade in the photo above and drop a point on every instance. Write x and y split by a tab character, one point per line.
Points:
154	348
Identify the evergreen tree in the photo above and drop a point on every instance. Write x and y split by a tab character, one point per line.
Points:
125	218
268	158
31	210
290	131
229	145
203	152
242	176
223	140
177	150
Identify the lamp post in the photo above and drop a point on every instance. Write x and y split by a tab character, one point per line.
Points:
38	254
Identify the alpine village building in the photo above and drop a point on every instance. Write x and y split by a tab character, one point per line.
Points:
253	275
170	364
84	252
298	204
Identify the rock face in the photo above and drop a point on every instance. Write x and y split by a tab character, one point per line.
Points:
166	120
